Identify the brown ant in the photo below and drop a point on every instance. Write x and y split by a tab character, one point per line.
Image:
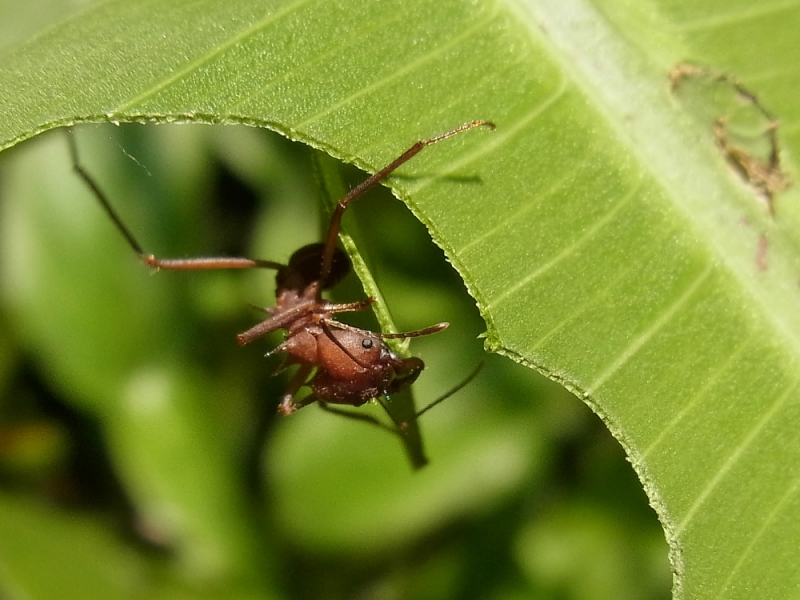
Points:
341	364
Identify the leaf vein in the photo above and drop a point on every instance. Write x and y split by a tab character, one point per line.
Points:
566	174
651	331
753	11
568	250
194	65
411	66
498	139
331	50
713	378
759	533
735	456
598	295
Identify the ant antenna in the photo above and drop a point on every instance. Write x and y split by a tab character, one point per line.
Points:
336	218
390	336
467	380
399	427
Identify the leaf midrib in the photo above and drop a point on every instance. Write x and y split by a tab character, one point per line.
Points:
203	59
667	153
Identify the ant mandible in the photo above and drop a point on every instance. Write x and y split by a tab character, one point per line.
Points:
341	364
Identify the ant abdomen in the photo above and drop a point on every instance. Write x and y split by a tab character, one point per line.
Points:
305	266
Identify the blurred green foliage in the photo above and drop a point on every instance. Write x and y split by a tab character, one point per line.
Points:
140	454
139	448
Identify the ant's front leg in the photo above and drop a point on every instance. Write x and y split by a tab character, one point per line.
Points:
288	405
349	306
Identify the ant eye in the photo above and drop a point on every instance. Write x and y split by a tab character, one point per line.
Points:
367	343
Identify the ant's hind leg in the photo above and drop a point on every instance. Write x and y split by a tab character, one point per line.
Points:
180	264
206	263
98	192
336	218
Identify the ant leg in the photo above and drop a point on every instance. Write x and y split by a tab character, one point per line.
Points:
336	218
278	321
284	318
181	264
357	417
350	306
288	405
100	195
207	263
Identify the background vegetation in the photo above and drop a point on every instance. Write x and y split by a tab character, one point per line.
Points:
607	239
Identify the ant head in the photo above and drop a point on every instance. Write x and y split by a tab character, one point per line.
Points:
305	266
356	354
406	372
361	355
355	366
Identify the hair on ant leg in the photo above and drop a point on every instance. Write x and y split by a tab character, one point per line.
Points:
339	364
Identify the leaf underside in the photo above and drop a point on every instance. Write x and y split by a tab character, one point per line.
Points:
608	242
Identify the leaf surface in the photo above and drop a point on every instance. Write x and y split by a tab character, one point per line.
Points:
606	239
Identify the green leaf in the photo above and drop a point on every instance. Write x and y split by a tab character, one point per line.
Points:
49	553
607	240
